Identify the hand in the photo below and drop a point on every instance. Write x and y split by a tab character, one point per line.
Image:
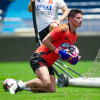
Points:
74	60
62	54
56	21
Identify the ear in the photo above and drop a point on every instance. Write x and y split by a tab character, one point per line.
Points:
70	19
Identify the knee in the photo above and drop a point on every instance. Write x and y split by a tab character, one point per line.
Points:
47	83
52	25
52	90
49	87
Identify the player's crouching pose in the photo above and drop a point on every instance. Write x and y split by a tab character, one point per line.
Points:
53	46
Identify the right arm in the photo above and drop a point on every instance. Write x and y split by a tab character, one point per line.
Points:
47	41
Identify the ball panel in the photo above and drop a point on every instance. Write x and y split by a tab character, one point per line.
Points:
73	51
76	51
8	83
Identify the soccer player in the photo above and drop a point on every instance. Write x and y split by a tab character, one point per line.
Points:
47	15
53	46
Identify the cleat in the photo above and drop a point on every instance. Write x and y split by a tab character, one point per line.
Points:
15	88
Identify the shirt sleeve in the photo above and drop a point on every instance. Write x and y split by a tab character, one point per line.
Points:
61	3
55	33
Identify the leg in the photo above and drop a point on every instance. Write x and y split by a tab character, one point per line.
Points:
46	30
52	26
44	82
52	87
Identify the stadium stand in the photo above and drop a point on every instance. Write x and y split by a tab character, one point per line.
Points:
15	16
3	8
87	6
91	14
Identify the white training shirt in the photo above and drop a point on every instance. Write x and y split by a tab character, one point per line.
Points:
47	11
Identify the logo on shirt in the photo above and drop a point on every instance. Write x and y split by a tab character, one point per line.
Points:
65	45
44	7
50	1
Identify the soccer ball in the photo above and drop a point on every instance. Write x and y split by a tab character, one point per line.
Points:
8	83
73	51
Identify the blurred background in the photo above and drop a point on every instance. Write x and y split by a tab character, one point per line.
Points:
17	42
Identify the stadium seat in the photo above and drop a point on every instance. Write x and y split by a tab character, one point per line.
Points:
15	15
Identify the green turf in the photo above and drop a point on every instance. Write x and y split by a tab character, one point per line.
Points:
22	70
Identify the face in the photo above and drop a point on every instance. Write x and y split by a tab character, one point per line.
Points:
77	20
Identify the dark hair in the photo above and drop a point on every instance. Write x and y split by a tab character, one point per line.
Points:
73	12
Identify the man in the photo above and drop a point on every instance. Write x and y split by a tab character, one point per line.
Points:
53	46
47	15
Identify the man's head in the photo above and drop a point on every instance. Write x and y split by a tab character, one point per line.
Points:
75	17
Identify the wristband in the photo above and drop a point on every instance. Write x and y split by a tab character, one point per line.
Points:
60	20
56	50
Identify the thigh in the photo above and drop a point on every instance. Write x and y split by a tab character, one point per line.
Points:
43	74
52	26
37	61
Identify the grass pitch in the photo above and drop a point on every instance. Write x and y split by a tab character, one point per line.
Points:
22	71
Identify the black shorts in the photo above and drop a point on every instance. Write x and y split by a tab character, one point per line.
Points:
37	61
44	32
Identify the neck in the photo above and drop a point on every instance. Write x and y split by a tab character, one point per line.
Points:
72	28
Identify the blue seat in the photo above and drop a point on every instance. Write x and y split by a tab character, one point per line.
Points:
16	9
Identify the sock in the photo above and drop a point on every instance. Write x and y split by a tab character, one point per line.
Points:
22	84
27	89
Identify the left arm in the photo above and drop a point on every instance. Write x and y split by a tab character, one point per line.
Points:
63	16
65	13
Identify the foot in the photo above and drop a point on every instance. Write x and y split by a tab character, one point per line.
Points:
15	88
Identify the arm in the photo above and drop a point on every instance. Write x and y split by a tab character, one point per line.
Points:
47	41
63	16
30	5
65	13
